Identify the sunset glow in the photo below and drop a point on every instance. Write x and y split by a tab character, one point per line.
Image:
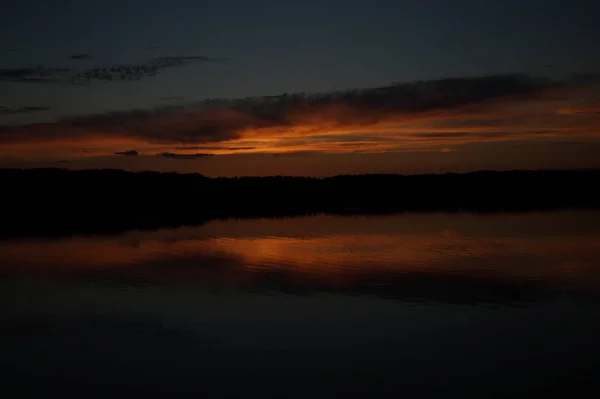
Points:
329	128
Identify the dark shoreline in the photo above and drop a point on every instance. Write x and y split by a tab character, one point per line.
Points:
56	202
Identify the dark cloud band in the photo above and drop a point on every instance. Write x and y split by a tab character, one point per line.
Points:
21	110
112	73
210	122
127	153
183	156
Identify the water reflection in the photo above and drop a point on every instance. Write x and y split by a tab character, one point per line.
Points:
465	258
415	305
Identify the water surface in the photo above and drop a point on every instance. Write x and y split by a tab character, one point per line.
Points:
414	304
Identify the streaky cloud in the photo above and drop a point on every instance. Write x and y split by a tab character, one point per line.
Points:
183	156
127	153
444	135
579	110
407	116
214	148
132	72
108	73
37	74
81	56
21	110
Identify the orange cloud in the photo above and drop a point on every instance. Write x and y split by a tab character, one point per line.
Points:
579	111
421	116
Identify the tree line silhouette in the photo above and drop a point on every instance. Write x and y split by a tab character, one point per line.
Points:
60	201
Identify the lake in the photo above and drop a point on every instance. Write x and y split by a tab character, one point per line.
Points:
416	304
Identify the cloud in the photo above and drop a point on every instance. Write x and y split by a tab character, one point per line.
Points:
579	111
21	110
37	74
183	156
171	98
213	148
295	153
444	135
416	116
81	56
108	73
166	125
129	72
127	153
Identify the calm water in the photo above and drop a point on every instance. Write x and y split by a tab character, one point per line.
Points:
416	304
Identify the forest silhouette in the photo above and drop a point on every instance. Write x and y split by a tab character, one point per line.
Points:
42	202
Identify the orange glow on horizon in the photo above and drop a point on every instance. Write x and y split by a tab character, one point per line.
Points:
329	129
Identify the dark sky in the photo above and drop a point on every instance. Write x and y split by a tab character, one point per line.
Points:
65	59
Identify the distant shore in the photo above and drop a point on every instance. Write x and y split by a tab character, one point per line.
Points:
49	202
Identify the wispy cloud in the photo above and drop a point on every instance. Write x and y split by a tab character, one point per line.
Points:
37	74
579	110
106	73
127	153
81	56
21	110
128	72
213	148
183	156
435	115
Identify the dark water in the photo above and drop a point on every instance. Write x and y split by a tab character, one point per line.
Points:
413	305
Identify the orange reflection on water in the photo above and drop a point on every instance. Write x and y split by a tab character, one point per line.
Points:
75	253
385	254
332	248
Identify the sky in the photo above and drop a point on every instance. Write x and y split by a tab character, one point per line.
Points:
300	88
